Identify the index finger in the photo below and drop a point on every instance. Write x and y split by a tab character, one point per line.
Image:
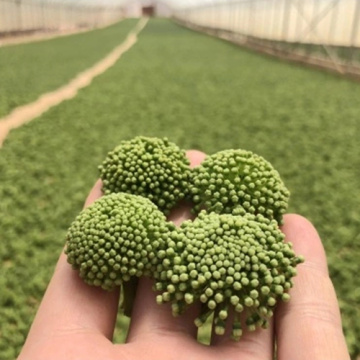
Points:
309	325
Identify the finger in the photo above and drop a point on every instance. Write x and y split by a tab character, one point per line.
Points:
196	157
182	212
253	345
148	318
309	326
70	305
152	320
94	194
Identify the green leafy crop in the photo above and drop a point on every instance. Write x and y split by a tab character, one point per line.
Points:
231	258
49	64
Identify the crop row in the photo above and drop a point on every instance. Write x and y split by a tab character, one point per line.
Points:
201	93
29	70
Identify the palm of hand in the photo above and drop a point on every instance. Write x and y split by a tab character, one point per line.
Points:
76	321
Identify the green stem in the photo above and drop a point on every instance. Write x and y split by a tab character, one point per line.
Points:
128	295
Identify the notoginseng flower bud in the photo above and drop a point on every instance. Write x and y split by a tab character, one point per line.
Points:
154	168
231	263
239	182
116	238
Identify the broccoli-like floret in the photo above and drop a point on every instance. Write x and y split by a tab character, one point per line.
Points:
229	263
239	182
154	168
116	238
233	258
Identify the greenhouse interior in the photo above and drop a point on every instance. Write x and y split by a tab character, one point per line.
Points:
179	179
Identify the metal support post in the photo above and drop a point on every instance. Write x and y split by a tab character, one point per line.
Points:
355	30
286	16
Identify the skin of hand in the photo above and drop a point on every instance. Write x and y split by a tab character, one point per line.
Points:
76	321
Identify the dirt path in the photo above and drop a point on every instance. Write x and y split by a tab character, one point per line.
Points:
28	112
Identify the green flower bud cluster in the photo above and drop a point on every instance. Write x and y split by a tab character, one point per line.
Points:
239	182
154	168
232	264
232	258
116	238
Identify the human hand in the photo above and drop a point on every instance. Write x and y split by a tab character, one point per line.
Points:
76	321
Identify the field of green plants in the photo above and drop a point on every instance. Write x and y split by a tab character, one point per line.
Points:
29	70
201	93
